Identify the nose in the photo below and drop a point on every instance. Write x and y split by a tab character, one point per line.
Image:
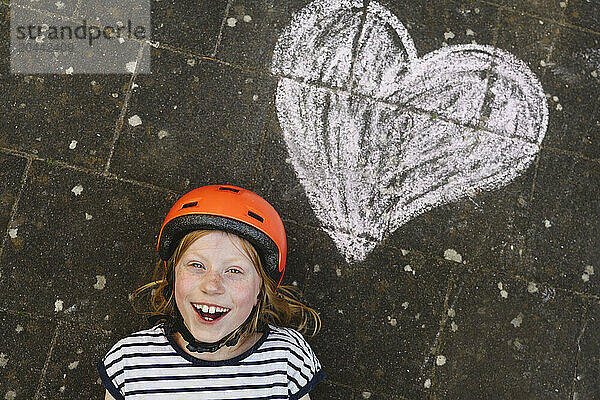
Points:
211	282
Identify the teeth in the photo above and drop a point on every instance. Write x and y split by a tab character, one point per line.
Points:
211	309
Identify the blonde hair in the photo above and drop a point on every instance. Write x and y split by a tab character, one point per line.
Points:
281	306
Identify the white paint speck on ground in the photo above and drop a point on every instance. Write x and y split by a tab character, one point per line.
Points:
563	4
500	285
405	305
69	71
73	365
231	22
59	5
517	321
594	74
88	216
589	269
547	223
366	395
448	35
453	326
134	120
392	321
504	294
532	287
470	32
349	149
77	190
254	97
12	232
3	360
317	268
58	305
10	395
73	144
62	389
555	99
452	255
100	282
130	66
19	329
191	62
451	313
408	268
427	383
404	252
247	18
559	107
440	360
338	272
162	134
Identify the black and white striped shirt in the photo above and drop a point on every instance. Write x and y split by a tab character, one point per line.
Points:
150	365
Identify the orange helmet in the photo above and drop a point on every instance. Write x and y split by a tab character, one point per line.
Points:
230	209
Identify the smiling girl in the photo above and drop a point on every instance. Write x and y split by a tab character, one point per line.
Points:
225	327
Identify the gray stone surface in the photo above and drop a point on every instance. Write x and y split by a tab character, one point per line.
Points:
518	316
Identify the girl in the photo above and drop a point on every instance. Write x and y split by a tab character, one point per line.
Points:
225	321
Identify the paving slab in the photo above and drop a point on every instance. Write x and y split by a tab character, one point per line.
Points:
563	241
529	39
193	123
63	8
71	371
572	85
68	118
502	341
24	346
72	256
586	382
278	180
583	13
380	308
435	25
193	27
251	30
11	172
547	9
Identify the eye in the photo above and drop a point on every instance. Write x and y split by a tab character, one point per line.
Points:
197	265
235	270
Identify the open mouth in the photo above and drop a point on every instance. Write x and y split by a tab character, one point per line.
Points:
210	313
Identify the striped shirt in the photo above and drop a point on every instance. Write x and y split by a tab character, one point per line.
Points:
150	365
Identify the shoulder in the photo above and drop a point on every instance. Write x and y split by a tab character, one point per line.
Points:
303	367
289	336
294	343
146	337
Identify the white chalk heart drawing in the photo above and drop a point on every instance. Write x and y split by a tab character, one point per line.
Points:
378	136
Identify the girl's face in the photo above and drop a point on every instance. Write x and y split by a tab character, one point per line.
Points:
216	286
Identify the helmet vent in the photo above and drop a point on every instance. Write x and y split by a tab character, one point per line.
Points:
189	205
255	216
230	189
